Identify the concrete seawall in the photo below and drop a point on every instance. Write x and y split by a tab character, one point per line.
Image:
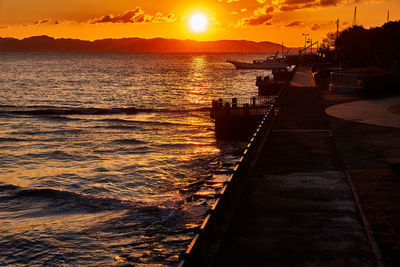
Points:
298	208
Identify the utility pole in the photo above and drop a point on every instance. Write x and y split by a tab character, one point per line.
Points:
305	41
337	28
387	19
336	41
355	16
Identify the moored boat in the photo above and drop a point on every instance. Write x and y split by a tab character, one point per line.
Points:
272	62
264	64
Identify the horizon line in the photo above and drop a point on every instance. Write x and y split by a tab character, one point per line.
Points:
143	38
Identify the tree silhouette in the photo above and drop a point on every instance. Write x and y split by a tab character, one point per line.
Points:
360	47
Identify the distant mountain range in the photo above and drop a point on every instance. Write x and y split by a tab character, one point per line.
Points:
135	45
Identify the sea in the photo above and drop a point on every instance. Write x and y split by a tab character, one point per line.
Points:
110	159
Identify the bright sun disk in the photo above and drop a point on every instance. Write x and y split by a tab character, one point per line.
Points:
198	22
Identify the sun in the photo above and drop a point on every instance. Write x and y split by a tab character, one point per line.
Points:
198	22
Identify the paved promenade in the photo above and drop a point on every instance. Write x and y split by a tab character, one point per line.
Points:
303	78
298	208
375	112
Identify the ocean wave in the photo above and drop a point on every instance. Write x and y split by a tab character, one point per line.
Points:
76	111
128	123
183	145
129	141
59	155
72	201
118	122
118	127
10	139
14	107
60	118
6	188
42	111
56	132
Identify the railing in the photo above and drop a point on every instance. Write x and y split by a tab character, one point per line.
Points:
255	106
210	232
346	80
244	102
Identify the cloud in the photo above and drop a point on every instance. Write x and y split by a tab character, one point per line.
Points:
134	16
269	13
131	16
302	2
264	19
58	22
238	12
261	16
228	1
48	22
316	27
289	8
291	5
3	27
42	21
294	24
326	3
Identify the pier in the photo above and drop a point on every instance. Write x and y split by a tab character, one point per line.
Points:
237	118
290	203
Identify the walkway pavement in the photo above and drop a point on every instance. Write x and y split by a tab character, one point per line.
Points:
297	208
371	155
375	112
303	78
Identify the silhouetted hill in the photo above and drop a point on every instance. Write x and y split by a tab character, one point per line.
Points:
156	45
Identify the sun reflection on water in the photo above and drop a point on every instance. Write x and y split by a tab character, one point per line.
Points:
198	88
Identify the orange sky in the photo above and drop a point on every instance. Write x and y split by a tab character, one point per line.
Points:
258	20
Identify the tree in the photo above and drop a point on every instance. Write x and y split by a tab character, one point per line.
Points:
360	47
329	41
